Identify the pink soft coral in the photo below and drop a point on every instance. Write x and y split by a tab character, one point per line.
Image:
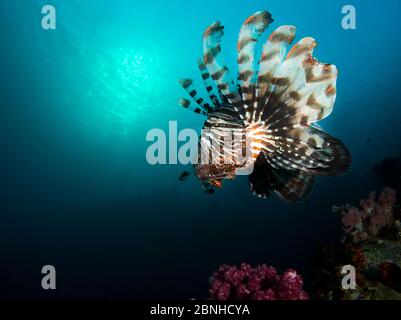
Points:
375	213
260	283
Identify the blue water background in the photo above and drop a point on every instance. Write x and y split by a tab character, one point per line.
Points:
76	104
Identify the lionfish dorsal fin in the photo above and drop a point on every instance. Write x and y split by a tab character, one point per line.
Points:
296	91
250	32
213	93
273	54
218	70
196	103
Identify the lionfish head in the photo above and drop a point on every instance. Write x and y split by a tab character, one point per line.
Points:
215	172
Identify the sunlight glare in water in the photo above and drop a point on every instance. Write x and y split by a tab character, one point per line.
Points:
124	84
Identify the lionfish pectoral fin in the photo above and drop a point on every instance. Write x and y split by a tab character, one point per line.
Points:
184	176
309	150
289	185
294	186
259	179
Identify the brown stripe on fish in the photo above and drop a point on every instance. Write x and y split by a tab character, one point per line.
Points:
210	54
297	135
207	82
264	78
184	102
310	61
186	83
264	17
244	42
202	66
327	68
214	28
304	120
248	90
205	75
280	81
270	103
245	75
250	33
326	72
218	75
295	95
310	77
268	56
314	104
280	37
299	49
187	104
330	90
217	69
244	58
222	86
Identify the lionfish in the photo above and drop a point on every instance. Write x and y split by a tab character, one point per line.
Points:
271	110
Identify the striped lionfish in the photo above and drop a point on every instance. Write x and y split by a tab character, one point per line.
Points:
271	111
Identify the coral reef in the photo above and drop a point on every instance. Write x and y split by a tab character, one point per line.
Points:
372	244
390	275
379	278
370	259
327	264
259	283
373	217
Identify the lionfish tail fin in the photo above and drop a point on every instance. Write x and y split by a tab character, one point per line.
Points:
295	186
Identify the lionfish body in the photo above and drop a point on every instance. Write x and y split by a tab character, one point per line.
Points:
268	115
